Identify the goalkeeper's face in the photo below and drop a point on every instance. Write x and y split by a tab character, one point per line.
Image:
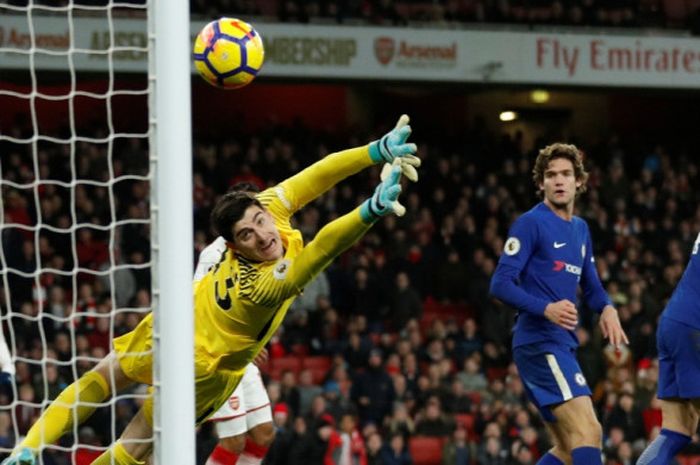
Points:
256	237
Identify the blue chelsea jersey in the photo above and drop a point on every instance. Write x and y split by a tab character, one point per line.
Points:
544	260
684	305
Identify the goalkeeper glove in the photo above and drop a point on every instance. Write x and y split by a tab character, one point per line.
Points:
24	457
384	200
392	146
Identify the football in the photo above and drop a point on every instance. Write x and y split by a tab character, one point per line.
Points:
228	53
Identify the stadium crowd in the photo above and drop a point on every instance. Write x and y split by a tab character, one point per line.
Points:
456	13
657	14
398	345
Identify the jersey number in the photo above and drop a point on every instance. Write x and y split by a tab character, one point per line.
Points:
224	302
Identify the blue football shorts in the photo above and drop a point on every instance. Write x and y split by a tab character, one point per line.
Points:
679	360
551	375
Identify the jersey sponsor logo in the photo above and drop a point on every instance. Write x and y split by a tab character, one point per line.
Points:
559	245
580	379
561	265
281	269
512	246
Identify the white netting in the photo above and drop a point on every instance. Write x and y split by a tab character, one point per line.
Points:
74	210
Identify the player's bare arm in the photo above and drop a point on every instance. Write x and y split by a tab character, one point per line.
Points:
611	327
562	313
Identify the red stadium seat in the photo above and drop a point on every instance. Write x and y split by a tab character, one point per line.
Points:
689	459
496	373
319	366
426	450
301	350
466	420
282	364
289	362
432	310
475	397
431	305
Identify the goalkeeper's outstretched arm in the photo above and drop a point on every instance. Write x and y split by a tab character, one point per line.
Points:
315	180
333	239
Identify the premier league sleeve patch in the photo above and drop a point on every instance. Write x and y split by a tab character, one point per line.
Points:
512	246
281	269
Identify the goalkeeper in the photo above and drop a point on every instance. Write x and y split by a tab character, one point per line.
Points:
241	302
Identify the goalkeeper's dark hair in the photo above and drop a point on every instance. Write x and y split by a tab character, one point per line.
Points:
558	150
244	186
229	209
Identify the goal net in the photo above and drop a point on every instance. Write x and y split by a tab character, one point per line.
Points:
77	180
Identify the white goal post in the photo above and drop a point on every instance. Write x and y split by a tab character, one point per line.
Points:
169	72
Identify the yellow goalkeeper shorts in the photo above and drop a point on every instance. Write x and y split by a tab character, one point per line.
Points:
135	353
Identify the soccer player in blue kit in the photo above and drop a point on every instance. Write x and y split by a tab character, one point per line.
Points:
547	255
678	342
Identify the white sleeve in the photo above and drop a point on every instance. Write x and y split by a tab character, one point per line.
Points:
209	257
6	364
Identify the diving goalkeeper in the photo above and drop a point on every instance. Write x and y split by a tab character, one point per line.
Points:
241	302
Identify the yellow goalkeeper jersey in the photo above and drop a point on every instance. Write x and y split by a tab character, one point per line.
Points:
239	304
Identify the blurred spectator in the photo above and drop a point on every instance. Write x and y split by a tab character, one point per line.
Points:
375	449
289	392
589	356
492	452
373	391
352	449
317	411
451	277
302	445
357	351
456	450
396	452
405	302
628	418
400	421
433	422
468	341
308	300
327	444
368	299
457	400
471	377
7	438
279	450
336	403
307	390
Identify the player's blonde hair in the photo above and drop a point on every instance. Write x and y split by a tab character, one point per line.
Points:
559	150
